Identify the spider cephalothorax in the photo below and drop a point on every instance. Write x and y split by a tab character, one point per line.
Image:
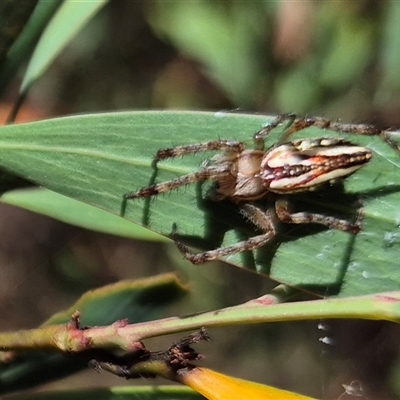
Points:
292	167
244	176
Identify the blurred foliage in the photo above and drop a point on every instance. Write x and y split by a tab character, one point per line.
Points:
12	20
331	58
320	57
23	47
135	300
339	59
118	393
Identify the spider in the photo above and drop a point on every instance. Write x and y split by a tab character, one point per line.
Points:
246	176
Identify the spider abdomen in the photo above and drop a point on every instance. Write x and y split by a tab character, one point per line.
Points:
305	165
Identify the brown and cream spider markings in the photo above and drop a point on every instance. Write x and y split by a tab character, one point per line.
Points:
247	176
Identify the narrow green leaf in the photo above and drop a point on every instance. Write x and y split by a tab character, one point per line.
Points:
351	51
389	55
98	158
70	18
223	39
25	43
137	300
76	213
13	17
118	393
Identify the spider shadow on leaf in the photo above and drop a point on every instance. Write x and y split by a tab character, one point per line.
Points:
363	198
224	216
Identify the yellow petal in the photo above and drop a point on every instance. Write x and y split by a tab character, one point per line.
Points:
216	386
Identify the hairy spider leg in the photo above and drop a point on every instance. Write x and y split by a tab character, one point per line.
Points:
258	217
167	186
298	124
215	145
205	174
284	215
259	137
266	221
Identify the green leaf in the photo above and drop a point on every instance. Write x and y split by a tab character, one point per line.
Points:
118	393
137	300
98	158
76	213
389	56
70	18
13	17
222	38
25	43
351	51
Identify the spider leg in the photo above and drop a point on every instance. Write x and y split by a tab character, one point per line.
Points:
178	151
355	129
284	215
260	136
167	186
298	124
163	154
263	220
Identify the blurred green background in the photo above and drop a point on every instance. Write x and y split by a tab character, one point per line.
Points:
338	59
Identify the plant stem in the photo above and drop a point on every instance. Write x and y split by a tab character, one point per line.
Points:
120	335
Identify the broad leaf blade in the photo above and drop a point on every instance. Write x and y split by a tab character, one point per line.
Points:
98	158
